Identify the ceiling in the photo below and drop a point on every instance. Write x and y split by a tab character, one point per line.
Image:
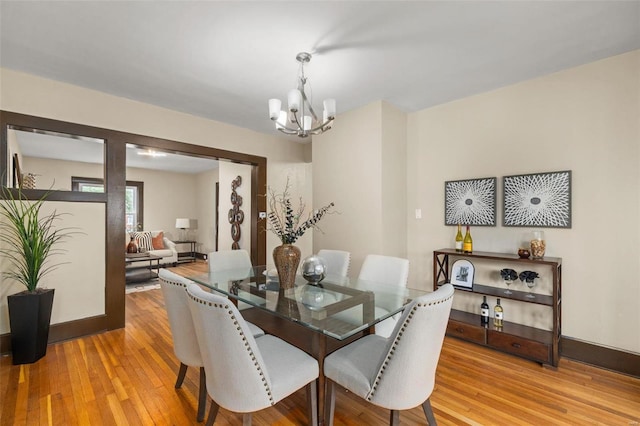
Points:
224	60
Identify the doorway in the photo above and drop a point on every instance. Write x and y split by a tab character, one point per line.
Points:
113	148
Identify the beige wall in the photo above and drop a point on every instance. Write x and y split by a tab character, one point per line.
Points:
393	181
584	119
167	196
360	165
28	94
347	170
56	174
300	181
79	280
206	208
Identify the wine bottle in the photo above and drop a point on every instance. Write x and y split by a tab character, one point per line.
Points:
497	314
459	239
484	312
467	244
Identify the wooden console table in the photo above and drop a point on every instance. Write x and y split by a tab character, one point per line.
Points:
528	342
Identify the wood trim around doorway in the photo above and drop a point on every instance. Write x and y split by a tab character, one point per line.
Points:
115	178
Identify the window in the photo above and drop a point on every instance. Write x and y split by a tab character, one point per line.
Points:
134	218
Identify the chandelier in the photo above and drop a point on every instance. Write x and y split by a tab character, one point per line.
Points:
301	119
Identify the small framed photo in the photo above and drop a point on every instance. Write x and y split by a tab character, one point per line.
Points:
462	274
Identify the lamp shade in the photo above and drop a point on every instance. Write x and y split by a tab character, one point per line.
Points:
330	107
274	108
182	223
295	99
282	120
306	124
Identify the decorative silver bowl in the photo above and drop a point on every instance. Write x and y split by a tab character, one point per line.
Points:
313	269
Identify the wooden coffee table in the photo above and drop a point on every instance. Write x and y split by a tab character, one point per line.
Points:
137	271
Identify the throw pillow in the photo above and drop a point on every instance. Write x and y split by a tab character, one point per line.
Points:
158	241
144	241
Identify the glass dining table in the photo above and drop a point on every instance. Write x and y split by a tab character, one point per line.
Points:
317	318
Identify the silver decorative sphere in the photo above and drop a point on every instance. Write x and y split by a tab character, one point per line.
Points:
313	269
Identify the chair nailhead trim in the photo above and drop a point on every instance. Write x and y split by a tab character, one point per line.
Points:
246	344
386	361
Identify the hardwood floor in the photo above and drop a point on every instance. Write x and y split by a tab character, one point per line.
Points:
126	377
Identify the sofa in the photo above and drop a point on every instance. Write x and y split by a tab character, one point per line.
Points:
154	242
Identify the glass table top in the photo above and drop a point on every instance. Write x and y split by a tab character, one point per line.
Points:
337	306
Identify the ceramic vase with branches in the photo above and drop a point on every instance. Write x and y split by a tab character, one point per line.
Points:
288	225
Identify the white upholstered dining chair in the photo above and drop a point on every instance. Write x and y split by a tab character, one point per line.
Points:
388	270
397	373
229	259
185	342
231	265
337	261
246	374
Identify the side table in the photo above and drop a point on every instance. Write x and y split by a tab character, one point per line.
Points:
189	256
141	273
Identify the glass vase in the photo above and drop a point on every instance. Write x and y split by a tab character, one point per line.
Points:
538	244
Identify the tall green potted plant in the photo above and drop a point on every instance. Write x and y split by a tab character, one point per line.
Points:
27	240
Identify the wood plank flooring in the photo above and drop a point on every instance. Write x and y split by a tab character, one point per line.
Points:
126	377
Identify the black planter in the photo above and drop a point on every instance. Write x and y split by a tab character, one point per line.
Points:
29	318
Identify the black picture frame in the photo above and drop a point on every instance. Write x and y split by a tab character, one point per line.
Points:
541	200
470	202
17	173
462	273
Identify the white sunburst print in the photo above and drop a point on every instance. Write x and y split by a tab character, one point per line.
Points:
542	199
470	202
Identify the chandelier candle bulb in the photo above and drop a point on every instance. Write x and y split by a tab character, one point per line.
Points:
295	99
275	108
282	120
307	123
329	108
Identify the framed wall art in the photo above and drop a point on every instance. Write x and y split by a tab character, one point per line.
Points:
539	200
17	173
470	202
462	272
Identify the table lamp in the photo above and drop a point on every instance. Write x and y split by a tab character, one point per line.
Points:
182	224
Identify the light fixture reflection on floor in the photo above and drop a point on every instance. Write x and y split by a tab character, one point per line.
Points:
301	119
